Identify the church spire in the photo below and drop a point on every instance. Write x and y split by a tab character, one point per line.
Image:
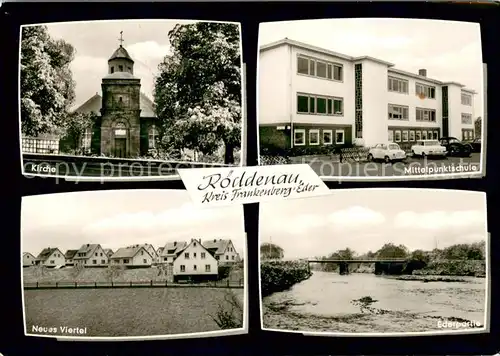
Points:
121	39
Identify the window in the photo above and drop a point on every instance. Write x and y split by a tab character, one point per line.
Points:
94	262
398	112
232	257
339	137
194	244
429	135
120	129
405	136
227	257
412	135
418	135
129	69
217	258
120	68
52	262
202	255
87	139
299	137
186	255
425	115
327	137
424	135
466	99
425	91
125	261
194	254
207	268
319	68
112	70
194	267
183	268
103	262
144	261
397	85
435	135
320	105
397	136
390	135
313	137
101	254
467	119
152	137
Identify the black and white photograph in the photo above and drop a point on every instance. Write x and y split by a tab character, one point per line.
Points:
376	262
381	99
130	98
131	264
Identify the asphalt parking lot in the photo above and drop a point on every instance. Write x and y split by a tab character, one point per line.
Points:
410	167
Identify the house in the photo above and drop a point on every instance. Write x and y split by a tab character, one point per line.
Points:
170	251
223	250
109	252
159	252
195	263
132	256
50	257
311	96
91	255
28	259
70	255
151	250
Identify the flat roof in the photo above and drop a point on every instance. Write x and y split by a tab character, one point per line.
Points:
287	41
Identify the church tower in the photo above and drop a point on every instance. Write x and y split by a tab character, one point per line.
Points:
120	110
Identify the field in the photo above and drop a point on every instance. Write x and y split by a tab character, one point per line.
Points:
129	311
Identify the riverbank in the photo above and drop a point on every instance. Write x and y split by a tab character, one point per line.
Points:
277	276
432	278
463	268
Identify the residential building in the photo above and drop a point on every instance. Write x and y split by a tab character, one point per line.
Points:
28	259
311	97
91	255
159	252
132	256
223	250
50	257
151	250
109	252
70	255
170	251
194	262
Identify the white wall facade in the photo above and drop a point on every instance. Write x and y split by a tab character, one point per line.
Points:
55	259
98	258
28	259
142	258
194	259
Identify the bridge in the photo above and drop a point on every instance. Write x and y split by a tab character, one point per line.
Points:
381	264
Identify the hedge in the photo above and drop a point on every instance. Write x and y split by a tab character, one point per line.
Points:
277	276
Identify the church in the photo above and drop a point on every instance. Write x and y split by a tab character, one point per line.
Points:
125	125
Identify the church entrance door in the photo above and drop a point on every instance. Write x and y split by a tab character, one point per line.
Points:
120	147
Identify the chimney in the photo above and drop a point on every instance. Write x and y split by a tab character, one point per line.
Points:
422	72
175	243
88	245
215	240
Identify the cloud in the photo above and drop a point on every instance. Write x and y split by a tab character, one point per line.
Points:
149	53
438	220
355	217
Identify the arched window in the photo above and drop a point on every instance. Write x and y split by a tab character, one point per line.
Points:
87	139
120	129
153	137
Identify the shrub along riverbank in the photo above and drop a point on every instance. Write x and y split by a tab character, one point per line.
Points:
453	268
277	276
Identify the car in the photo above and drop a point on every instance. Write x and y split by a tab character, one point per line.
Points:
455	147
388	152
475	144
424	148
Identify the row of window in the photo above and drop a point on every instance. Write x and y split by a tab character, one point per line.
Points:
315	139
36	145
120	130
400	112
319	105
399	85
202	255
467	135
466	99
412	135
318	68
195	268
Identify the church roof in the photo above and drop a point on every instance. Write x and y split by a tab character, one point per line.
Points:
94	105
121	53
120	75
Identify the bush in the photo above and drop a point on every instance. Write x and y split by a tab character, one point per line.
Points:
223	271
277	276
454	268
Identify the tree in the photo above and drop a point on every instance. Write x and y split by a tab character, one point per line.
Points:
420	255
198	90
345	254
47	86
75	126
477	127
390	250
270	251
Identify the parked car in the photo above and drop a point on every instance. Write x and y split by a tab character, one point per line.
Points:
475	145
388	152
455	147
424	148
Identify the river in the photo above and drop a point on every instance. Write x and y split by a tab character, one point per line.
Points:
326	302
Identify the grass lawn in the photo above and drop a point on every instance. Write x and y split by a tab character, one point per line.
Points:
127	312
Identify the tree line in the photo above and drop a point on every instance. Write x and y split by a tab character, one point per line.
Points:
197	90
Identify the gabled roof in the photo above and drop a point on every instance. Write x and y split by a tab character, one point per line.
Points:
129	252
70	254
46	253
120	53
216	246
108	251
179	252
94	104
27	253
88	249
173	248
146	246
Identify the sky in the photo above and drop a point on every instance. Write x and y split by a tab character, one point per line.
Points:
119	218
366	219
449	50
95	41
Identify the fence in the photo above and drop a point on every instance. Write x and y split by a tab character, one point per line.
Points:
137	284
40	145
